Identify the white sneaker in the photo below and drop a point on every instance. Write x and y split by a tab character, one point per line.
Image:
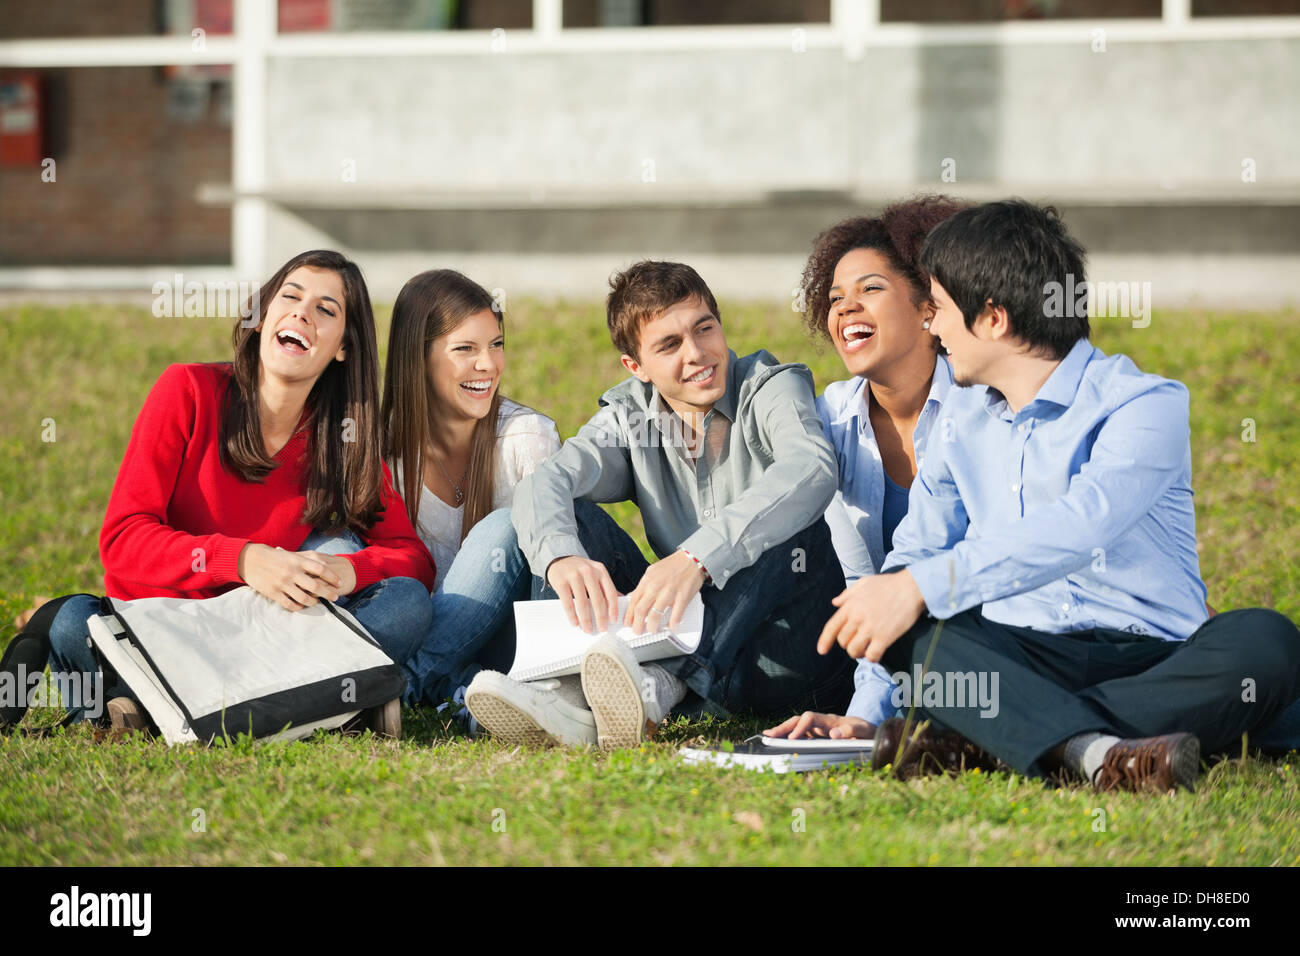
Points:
620	692
524	713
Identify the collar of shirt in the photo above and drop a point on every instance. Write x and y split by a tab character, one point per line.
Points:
1060	388
854	411
726	405
856	517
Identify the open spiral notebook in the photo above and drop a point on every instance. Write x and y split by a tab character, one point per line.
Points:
547	645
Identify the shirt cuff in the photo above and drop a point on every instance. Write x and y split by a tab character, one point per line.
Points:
552	548
715	553
873	700
937	578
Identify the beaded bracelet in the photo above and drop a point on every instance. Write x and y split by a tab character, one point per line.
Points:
707	577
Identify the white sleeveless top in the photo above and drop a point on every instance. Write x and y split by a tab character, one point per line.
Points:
525	438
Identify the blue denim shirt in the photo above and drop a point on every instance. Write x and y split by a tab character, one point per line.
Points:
856	513
1073	513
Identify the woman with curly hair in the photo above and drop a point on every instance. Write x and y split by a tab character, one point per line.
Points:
865	291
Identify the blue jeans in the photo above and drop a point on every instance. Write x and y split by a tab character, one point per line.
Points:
395	611
70	652
759	647
472	613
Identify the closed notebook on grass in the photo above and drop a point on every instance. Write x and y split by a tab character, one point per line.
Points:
781	755
547	645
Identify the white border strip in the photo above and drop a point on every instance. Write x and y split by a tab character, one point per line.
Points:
514	197
849	35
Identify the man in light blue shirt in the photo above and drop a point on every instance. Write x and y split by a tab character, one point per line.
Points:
1051	531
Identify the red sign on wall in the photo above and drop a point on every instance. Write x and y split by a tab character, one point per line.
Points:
22	120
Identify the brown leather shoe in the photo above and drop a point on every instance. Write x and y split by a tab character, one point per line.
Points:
931	750
1155	764
385	720
126	717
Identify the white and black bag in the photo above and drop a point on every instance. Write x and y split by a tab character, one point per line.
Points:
240	663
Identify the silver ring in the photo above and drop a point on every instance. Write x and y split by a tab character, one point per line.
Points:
655	610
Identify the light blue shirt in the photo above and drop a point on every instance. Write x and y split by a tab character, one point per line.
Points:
1073	513
856	515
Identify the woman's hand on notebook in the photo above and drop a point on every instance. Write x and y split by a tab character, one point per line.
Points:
812	724
660	599
586	592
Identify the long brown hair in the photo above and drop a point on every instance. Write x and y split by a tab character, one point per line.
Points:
344	487
430	305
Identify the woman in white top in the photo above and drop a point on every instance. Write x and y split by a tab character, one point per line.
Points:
467	446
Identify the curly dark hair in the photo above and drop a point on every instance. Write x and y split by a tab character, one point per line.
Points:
897	233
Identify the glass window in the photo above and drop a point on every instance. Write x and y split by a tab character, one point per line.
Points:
197	19
347	16
665	13
1245	8
985	11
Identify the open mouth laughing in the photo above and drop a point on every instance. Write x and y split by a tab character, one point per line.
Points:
857	336
295	343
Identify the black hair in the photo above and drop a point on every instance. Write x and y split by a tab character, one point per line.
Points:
1017	255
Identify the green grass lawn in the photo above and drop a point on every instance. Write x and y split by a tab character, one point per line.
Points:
79	375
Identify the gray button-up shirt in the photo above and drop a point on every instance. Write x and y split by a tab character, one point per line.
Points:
759	472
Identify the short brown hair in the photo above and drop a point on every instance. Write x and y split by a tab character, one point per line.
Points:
897	234
645	290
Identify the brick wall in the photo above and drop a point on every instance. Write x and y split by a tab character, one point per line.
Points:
126	175
77	18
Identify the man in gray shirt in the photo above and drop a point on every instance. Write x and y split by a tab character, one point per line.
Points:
726	458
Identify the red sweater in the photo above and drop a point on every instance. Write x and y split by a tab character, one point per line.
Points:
178	518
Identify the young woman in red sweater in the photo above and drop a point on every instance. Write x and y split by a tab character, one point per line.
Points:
260	471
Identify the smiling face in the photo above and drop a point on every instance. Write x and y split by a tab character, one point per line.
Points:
971	352
465	366
683	353
873	320
302	331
